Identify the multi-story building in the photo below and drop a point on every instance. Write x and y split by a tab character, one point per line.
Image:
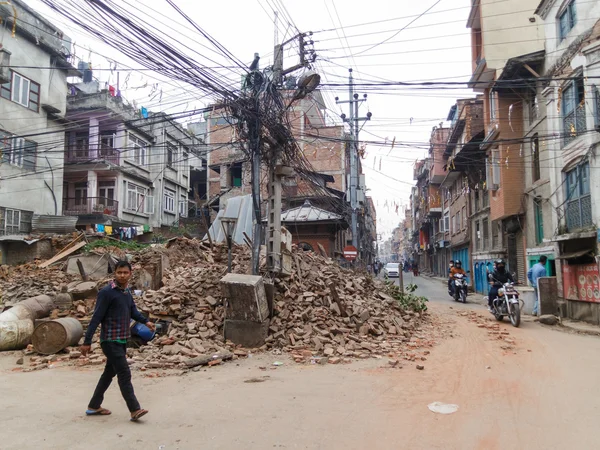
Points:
423	229
467	192
34	65
437	174
324	147
493	44
123	169
566	198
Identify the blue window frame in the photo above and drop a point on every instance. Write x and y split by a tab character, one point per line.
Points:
567	20
573	110
578	198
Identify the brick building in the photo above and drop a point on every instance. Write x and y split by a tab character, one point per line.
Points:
324	146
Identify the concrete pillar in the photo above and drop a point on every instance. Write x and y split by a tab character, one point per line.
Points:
92	189
94	137
224	177
247	311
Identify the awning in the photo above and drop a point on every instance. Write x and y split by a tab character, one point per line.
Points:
575	254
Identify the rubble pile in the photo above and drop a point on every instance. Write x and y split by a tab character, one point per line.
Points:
326	310
320	310
25	281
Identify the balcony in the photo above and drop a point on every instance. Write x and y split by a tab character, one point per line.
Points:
79	206
82	154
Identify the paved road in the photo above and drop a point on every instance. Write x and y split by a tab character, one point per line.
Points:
526	388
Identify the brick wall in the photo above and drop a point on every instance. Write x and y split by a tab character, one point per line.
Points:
19	252
459	204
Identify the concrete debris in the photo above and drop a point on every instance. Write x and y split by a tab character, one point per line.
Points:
548	319
321	313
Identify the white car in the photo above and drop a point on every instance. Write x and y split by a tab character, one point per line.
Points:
391	270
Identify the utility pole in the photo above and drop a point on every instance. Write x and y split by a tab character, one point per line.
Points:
353	120
276	171
255	80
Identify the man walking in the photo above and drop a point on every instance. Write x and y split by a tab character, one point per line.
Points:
537	270
114	310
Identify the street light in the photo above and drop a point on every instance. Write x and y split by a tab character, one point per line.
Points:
228	224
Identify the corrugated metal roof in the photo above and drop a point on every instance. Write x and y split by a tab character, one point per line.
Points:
53	224
308	213
18	238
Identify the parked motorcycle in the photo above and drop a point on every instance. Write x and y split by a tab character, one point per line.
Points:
507	304
459	283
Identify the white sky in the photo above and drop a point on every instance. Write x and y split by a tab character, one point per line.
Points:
435	47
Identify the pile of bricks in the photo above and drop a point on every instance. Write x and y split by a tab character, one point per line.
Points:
320	311
25	281
326	310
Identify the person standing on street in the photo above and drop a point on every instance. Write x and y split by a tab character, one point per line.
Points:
114	310
537	270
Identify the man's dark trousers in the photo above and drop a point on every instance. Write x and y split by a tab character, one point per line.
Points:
116	364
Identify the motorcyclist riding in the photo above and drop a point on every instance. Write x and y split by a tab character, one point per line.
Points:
450	266
497	279
457	268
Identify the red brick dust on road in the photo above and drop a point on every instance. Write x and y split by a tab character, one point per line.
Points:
533	388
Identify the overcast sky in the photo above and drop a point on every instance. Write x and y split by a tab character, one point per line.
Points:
435	46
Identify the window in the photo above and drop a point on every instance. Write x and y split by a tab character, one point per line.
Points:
12	222
82	145
477	236
539	220
476	199
183	207
106	192
485	225
138	199
493	172
485	198
81	193
171	154
23	91
579	202
464	218
573	110
186	164
107	144
18	151
492	105
533	108
447	223
535	157
567	20
169	201
495	235
139	148
236	175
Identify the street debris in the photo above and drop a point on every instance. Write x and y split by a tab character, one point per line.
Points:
257	379
442	408
549	319
493	329
319	313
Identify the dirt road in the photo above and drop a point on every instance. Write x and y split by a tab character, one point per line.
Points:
538	392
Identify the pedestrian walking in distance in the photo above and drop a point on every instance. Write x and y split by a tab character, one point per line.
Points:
114	310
